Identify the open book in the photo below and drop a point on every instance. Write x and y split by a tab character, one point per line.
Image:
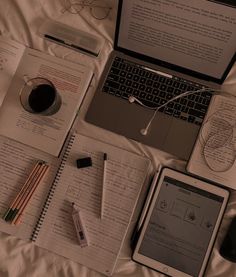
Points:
49	222
214	155
71	80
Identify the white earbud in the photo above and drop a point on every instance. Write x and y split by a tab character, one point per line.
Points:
131	99
144	131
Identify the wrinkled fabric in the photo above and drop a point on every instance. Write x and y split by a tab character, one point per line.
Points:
20	20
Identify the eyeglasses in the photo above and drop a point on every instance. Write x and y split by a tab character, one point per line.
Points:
99	9
218	140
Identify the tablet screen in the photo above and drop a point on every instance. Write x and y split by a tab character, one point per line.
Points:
181	225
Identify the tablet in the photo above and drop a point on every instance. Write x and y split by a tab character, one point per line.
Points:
181	224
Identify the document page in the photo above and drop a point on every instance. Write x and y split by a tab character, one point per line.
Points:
16	163
10	55
125	175
43	132
213	155
198	35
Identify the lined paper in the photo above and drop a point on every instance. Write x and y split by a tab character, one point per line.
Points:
126	173
16	163
223	109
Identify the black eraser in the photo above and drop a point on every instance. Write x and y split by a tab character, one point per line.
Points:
84	162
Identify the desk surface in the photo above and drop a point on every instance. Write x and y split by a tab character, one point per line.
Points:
20	20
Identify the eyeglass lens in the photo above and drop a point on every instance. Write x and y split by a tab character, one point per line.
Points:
99	9
218	143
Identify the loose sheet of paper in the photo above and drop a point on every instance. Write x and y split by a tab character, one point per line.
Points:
16	163
126	173
10	55
46	133
213	156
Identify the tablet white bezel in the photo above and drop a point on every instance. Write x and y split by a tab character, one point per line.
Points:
195	183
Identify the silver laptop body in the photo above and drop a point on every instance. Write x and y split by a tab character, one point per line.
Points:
167	133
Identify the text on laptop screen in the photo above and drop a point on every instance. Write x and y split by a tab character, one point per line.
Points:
197	35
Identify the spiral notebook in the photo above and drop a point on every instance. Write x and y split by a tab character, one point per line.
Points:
52	227
126	173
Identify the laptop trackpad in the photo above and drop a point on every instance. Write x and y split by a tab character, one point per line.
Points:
171	135
158	131
181	138
166	133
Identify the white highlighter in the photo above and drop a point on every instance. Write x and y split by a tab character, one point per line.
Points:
79	226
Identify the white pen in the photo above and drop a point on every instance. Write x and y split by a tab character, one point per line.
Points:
79	226
103	183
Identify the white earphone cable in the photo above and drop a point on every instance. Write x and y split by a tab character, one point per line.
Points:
132	99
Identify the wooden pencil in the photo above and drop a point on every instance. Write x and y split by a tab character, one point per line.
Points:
27	191
20	194
29	195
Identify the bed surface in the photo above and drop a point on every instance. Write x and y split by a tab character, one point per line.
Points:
20	20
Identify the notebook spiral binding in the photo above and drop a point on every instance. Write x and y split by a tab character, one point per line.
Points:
52	190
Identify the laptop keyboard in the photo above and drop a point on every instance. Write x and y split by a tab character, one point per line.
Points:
127	79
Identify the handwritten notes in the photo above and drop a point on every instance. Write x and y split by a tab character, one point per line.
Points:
126	173
10	55
214	155
15	165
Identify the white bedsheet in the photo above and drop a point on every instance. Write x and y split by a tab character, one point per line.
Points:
20	20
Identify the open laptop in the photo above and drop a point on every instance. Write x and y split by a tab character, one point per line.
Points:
173	45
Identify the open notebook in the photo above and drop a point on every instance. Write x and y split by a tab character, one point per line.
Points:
49	223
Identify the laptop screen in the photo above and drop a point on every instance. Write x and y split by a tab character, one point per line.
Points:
197	37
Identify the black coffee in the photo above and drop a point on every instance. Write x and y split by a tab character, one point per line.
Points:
41	98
